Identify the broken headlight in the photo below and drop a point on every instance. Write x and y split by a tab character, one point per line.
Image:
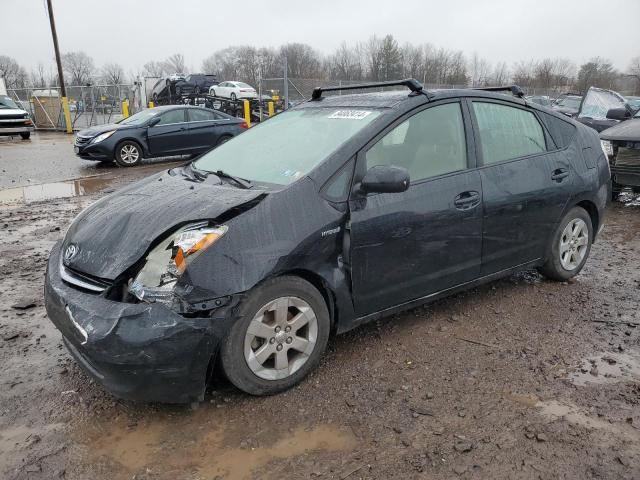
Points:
167	261
607	148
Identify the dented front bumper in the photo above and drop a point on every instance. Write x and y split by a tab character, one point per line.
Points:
137	351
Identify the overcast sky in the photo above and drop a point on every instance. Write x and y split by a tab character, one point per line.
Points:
132	32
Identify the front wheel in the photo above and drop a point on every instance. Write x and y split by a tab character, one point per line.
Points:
128	154
212	93
570	247
279	337
233	97
25	135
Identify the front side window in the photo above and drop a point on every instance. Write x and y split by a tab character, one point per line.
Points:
287	146
173	116
507	132
430	143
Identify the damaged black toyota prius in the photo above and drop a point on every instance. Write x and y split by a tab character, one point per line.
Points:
341	210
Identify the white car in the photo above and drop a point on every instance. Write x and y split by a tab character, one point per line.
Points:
233	90
174	77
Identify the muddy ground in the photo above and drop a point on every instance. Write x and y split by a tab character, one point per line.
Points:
521	378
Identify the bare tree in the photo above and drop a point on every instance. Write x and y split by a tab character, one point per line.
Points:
302	60
479	71
78	66
154	69
112	74
634	71
597	72
346	63
500	75
175	63
412	61
14	75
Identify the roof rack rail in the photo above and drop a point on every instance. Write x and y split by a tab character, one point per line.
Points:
411	83
514	89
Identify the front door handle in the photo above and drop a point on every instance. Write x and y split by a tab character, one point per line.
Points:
559	174
467	200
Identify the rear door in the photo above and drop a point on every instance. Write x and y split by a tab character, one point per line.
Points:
205	127
525	183
408	245
171	135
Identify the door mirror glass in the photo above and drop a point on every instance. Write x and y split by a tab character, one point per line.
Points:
154	121
385	179
618	114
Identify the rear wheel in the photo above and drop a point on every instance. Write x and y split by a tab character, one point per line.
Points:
279	337
25	135
212	93
128	154
570	246
233	97
223	139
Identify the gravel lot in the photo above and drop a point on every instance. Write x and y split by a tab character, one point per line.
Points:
521	378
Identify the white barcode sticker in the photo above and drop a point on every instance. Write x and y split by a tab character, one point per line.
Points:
350	114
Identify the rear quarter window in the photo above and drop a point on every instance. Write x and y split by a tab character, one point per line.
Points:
561	132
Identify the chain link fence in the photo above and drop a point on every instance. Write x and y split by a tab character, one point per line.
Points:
88	105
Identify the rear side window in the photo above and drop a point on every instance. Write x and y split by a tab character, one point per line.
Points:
201	115
430	143
507	132
562	132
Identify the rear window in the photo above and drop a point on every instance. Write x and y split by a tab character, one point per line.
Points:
507	132
562	132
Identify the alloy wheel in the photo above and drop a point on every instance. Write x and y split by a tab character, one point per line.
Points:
280	338
574	243
129	154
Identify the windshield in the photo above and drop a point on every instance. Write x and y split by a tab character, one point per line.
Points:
287	146
6	102
139	118
570	102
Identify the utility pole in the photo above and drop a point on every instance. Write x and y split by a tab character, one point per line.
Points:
63	90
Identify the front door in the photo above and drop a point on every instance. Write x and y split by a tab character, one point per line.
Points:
408	245
170	136
525	184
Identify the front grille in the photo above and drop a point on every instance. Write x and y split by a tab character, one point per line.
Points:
82	140
82	280
626	168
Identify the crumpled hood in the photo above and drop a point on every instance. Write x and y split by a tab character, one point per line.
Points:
117	230
627	131
98	129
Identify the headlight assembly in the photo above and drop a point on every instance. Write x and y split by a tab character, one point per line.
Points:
102	136
168	261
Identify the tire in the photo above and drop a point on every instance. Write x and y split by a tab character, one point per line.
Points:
565	262
212	93
233	96
125	153
25	135
272	334
223	139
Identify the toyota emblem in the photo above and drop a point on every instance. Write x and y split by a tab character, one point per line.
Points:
70	252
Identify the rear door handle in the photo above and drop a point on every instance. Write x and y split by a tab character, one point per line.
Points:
559	174
467	200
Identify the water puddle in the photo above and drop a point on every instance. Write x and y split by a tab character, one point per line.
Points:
50	191
200	445
607	368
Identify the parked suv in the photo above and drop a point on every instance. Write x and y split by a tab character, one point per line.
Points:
13	119
344	209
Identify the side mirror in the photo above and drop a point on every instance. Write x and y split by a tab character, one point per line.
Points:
154	121
385	179
618	114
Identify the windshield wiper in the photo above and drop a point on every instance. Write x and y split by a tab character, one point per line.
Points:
244	183
200	175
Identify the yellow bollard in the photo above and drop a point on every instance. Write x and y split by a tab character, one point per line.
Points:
270	107
67	114
247	113
151	105
125	108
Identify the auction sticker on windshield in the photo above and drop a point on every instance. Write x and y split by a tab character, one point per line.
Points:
350	114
